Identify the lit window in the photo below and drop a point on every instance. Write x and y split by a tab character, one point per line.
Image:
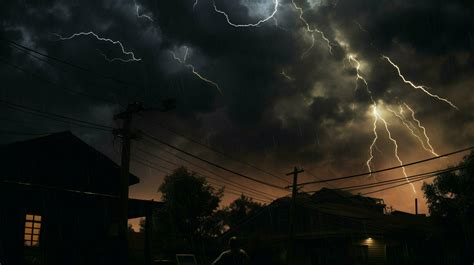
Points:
32	230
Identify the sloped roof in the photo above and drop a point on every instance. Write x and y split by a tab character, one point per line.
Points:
62	160
338	216
326	195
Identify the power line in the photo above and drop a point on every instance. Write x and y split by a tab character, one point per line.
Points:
148	163
384	183
57	117
408	181
256	199
395	180
403	179
158	157
63	118
414	178
221	153
82	68
73	91
227	181
427	176
387	169
212	163
149	166
227	189
240	192
211	172
318	178
376	185
396	186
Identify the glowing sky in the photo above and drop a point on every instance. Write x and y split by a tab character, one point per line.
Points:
275	85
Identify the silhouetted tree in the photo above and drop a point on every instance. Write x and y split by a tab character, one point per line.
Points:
188	216
240	209
450	200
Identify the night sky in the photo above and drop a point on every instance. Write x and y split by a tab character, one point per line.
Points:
261	93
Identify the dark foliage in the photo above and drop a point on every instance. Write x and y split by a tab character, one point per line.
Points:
239	210
450	200
188	219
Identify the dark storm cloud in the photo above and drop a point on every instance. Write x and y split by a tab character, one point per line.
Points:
429	26
246	63
313	116
33	25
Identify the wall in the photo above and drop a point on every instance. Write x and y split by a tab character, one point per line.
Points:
376	250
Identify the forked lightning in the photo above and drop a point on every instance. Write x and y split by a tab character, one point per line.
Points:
193	70
420	87
131	55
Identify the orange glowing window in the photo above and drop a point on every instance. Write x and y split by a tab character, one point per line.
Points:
32	230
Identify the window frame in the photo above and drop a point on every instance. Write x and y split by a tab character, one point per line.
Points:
32	230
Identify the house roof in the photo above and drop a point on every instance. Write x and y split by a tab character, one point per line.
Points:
62	160
326	195
337	216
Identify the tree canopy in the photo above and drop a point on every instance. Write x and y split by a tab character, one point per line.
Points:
450	200
191	217
240	209
451	195
189	203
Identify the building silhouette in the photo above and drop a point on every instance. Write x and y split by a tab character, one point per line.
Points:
59	203
335	227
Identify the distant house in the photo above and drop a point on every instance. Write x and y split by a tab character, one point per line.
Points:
59	203
333	227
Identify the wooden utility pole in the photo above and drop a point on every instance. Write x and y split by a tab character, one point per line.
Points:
416	206
294	192
126	135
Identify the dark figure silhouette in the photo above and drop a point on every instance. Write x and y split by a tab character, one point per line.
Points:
234	256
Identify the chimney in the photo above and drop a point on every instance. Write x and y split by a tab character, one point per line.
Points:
416	206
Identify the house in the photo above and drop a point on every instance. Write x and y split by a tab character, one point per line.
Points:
59	203
334	227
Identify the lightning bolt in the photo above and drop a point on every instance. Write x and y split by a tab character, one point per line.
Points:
288	77
360	26
408	125
276	22
193	70
374	141
185	56
137	7
423	129
377	117
258	23
396	148
278	25
311	31
114	59
90	33
420	87
359	77
308	28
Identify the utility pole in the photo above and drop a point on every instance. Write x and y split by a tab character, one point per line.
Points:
416	206
294	192
126	135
